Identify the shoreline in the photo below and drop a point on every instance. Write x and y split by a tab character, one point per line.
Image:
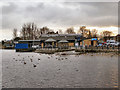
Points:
76	51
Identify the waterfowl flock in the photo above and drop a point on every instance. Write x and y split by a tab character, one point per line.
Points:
23	60
59	57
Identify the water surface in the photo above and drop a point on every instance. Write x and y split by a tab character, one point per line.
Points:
34	70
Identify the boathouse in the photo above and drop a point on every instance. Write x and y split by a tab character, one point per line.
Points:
71	39
54	40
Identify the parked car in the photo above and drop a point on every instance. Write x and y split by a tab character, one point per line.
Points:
117	43
112	43
99	45
9	46
35	46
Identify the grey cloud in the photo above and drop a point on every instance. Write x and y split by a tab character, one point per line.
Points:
60	14
9	9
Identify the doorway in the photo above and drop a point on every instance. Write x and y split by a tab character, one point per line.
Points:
92	43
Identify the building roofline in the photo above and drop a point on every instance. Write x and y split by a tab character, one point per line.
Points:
29	40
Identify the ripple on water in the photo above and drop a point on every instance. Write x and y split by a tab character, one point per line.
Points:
87	70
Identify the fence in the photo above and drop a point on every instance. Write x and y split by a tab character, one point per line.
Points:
98	47
79	47
56	48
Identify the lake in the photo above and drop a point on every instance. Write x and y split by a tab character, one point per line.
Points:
35	70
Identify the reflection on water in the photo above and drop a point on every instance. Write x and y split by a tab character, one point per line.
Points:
34	70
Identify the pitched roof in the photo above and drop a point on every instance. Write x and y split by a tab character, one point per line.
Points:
28	40
54	35
50	40
60	36
63	41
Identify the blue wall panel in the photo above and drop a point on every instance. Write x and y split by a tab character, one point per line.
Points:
21	46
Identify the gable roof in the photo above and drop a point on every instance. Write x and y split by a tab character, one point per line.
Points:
63	41
60	36
50	40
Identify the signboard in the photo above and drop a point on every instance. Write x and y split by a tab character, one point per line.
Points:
93	39
21	46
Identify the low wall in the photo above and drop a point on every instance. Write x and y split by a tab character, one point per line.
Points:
77	49
97	50
51	51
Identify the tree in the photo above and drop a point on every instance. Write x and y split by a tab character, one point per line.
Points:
56	32
23	32
82	29
44	30
107	33
29	31
14	33
85	32
37	33
17	39
70	31
51	32
89	34
94	33
3	42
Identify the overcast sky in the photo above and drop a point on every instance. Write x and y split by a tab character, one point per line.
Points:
58	15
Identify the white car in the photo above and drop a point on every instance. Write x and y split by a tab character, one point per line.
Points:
112	43
35	46
117	43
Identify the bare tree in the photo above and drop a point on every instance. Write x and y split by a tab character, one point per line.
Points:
94	33
34	31
70	31
14	33
29	31
82	29
51	32
44	30
23	32
85	32
89	34
37	33
107	33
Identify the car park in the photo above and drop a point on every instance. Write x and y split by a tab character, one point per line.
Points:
112	43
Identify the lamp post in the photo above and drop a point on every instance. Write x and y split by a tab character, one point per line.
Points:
82	41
